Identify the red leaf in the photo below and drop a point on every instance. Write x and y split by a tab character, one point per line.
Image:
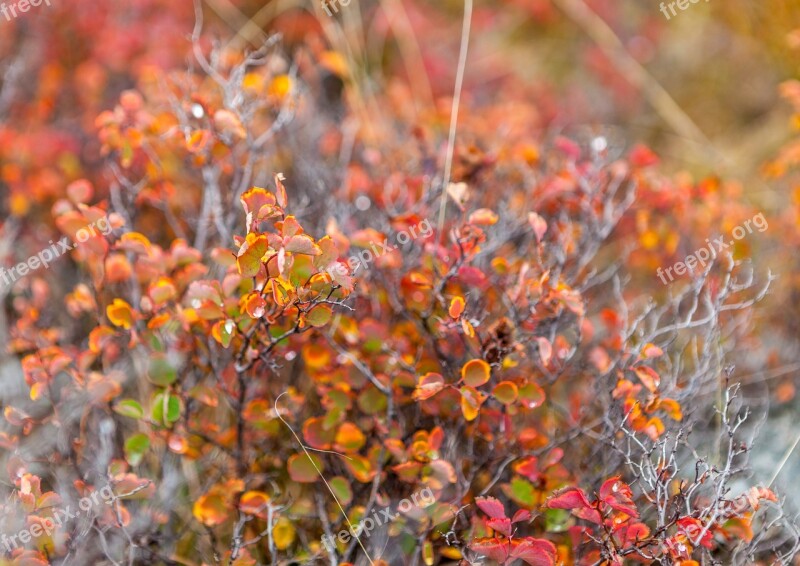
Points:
553	457
491	507
588	514
500	525
536	552
618	495
636	532
472	276
642	156
492	548
569	498
529	468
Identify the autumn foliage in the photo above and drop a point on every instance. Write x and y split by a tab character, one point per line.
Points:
244	390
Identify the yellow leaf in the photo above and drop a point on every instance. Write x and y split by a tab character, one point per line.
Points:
280	86
253	82
249	257
283	534
506	392
471	401
120	314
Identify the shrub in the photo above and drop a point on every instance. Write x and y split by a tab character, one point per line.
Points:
250	363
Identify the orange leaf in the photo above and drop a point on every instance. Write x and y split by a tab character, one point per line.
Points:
456	307
349	438
360	467
211	509
476	373
419	279
280	191
255	305
253	201
316	435
483	217
254	503
429	385
648	377
672	408
652	351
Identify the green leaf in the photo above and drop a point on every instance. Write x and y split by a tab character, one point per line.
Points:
371	401
161	371
129	408
302	470
522	492
341	487
136	447
166	409
556	520
372	345
319	316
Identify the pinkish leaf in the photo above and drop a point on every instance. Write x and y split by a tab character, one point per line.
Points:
521	515
538	224
545	350
302	244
